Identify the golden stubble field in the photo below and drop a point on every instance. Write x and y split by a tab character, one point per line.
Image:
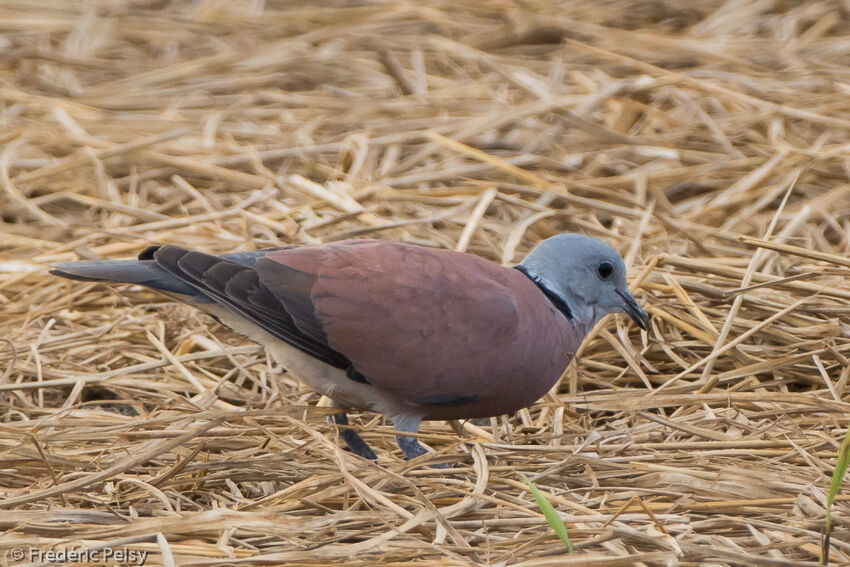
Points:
707	142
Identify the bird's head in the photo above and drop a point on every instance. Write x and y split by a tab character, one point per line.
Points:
586	275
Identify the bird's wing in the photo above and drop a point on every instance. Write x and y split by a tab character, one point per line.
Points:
420	322
236	286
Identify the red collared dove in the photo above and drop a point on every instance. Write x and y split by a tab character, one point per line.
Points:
406	331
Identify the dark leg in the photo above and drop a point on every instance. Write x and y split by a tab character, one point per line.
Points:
410	446
356	443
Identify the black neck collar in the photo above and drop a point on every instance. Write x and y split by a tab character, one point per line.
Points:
556	299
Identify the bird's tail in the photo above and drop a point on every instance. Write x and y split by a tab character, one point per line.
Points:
142	272
145	271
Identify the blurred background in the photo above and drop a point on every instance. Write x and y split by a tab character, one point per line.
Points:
707	142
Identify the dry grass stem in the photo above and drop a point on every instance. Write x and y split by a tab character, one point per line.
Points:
706	141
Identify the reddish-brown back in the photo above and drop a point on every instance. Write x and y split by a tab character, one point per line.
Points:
461	335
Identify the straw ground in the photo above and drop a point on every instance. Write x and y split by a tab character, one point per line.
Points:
707	141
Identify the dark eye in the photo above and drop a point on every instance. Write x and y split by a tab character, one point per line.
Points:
605	269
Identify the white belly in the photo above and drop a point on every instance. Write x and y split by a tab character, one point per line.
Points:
321	377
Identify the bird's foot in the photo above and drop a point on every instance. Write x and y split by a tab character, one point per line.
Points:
412	448
356	443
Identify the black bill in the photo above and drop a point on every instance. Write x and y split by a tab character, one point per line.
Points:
633	310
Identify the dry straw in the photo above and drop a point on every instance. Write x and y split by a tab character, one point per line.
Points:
707	141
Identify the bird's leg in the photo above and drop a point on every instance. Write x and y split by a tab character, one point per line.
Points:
356	443
410	446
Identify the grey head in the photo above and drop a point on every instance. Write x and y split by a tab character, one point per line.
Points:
584	277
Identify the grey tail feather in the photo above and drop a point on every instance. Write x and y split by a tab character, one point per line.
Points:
144	272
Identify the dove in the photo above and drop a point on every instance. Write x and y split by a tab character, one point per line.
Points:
410	332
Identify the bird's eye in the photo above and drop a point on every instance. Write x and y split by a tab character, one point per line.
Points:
605	269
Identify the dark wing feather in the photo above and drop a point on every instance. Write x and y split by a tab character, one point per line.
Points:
293	288
236	287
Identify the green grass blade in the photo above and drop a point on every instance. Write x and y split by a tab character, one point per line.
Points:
837	477
552	518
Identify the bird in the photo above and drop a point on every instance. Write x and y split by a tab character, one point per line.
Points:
411	332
